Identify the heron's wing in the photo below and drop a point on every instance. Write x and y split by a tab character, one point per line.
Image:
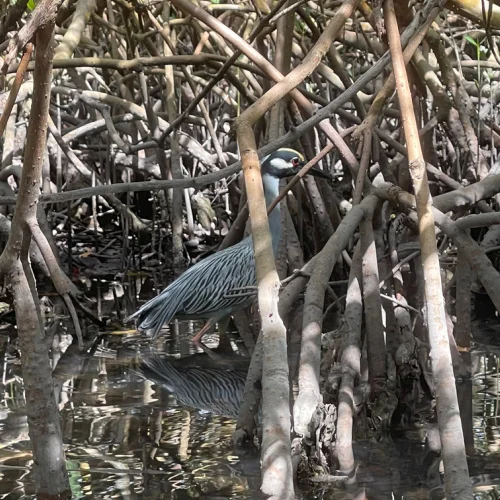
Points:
214	283
202	289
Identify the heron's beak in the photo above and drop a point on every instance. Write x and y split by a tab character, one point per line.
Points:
317	172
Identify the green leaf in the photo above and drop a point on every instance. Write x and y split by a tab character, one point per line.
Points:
471	40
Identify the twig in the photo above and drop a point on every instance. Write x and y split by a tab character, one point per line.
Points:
16	85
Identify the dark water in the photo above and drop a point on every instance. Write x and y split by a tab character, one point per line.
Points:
126	438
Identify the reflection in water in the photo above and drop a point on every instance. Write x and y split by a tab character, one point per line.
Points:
214	385
169	437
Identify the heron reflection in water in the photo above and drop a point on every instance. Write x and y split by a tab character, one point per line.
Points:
199	381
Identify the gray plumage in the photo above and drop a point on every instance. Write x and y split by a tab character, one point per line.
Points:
201	291
204	290
217	390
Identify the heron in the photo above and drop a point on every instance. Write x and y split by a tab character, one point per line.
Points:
206	290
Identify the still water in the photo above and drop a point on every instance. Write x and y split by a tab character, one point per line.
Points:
128	438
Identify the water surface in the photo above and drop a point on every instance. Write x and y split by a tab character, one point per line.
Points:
127	438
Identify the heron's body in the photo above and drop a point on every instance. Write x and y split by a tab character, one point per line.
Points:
207	290
208	299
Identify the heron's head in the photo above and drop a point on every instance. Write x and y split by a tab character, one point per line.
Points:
286	162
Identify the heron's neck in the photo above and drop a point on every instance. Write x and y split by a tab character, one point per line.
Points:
271	190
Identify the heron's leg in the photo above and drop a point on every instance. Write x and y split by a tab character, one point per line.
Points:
224	341
224	347
210	353
197	338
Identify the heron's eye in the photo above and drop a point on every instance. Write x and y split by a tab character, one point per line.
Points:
295	161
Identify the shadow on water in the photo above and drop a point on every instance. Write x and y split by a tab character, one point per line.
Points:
138	422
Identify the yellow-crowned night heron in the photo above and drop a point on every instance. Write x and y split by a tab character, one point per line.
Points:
204	291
